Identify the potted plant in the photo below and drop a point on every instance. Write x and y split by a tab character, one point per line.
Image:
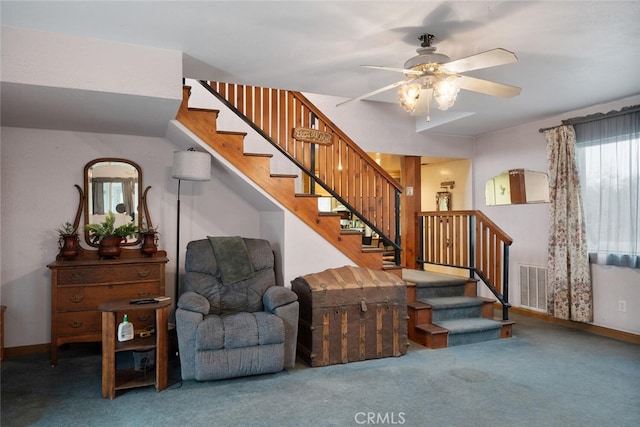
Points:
149	238
68	241
110	237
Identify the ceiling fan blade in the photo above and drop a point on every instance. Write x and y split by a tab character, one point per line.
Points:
490	58
488	87
375	92
400	70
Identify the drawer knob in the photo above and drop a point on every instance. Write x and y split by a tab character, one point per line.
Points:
143	273
75	324
76	276
76	298
144	294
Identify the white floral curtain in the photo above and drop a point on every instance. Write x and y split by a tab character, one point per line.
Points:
569	291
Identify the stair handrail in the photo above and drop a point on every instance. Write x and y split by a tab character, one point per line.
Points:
378	207
467	239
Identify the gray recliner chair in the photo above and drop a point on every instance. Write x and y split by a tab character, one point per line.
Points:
232	319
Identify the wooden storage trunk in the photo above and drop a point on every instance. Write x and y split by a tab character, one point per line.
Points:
349	314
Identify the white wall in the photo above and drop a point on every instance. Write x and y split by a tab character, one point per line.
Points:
39	170
55	81
524	147
521	147
612	285
379	127
64	61
433	175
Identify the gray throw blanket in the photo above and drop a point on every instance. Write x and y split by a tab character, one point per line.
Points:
232	258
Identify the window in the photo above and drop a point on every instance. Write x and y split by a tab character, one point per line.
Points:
112	194
608	159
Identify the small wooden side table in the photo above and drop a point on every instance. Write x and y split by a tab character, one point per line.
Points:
119	379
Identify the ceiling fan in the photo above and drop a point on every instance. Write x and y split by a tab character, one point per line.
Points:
430	74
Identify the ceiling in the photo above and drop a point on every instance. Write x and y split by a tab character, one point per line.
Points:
571	54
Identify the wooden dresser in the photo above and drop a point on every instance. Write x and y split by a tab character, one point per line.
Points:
79	286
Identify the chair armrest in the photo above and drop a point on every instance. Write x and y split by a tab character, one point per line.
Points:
192	301
277	296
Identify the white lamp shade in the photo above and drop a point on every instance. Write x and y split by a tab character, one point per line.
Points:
191	166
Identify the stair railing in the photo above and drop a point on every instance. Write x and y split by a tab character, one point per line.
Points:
341	167
468	240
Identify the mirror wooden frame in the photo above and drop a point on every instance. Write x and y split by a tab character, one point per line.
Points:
139	211
516	187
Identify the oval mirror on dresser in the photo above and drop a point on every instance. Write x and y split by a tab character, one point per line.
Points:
113	185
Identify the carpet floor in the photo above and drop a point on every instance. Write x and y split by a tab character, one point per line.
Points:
546	375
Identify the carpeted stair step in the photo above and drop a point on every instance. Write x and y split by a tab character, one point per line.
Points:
470	331
434	285
449	308
444	311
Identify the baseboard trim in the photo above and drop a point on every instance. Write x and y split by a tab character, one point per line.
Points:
25	350
595	329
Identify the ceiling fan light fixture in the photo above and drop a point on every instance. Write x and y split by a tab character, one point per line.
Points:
408	96
445	92
433	75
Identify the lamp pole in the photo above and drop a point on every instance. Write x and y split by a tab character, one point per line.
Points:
189	165
177	284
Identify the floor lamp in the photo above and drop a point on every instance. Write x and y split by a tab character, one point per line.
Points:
188	165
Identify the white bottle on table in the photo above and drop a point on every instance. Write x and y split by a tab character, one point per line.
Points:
125	330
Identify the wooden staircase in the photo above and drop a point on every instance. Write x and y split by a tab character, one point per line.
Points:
426	330
460	239
256	167
463	239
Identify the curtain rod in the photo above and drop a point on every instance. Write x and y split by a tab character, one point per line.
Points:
595	117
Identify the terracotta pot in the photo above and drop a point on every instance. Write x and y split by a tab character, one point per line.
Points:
110	247
69	246
149	243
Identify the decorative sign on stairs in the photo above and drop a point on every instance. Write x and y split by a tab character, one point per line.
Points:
312	135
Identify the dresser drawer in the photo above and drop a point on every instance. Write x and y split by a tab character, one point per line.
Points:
78	298
78	323
109	274
88	322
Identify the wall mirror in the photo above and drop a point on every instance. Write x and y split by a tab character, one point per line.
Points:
517	186
112	185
